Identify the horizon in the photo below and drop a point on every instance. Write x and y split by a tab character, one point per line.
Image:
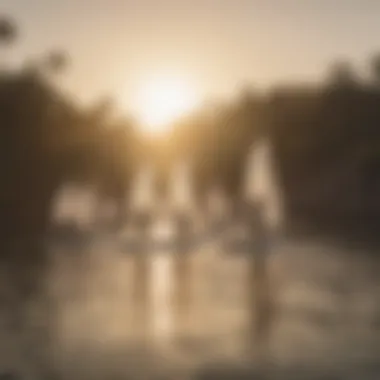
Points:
234	45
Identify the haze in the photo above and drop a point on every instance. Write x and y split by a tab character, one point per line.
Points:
223	44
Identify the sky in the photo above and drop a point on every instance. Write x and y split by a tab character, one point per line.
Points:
222	45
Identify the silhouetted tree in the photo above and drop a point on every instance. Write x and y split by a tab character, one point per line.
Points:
342	75
375	68
8	30
56	61
326	144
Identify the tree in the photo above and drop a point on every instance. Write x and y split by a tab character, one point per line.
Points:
374	66
56	61
8	34
342	75
8	31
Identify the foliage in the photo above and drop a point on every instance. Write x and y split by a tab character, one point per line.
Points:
326	140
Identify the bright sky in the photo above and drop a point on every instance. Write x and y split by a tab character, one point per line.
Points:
221	44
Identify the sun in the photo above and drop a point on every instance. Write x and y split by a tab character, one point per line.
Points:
161	100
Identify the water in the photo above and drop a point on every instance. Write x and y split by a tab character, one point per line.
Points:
318	321
260	185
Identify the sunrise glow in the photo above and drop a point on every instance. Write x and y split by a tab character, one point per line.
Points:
163	99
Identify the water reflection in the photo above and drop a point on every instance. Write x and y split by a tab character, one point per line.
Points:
163	231
160	272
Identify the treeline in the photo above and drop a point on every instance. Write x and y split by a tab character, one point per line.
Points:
326	144
47	141
326	141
